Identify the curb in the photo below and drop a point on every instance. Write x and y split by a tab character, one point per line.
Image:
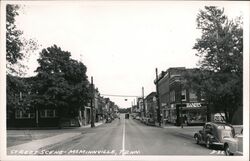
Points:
52	128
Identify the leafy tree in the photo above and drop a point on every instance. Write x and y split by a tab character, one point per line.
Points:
61	82
19	94
17	47
220	49
13	42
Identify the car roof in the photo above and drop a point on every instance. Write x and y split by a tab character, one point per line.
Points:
219	124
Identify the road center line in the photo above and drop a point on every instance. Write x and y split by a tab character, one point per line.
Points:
123	139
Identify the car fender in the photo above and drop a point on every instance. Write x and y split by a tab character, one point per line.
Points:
209	136
232	143
197	134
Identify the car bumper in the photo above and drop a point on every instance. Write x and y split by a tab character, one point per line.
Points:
217	144
238	153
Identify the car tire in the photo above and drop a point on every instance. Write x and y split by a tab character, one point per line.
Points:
208	143
197	139
227	150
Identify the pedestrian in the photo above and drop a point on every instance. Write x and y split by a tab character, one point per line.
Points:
181	120
185	119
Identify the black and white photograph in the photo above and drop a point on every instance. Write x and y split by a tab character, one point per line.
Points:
124	80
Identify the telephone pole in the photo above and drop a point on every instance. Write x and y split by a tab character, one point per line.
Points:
143	103
91	103
158	98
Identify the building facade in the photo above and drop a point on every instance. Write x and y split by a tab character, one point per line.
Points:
150	103
179	103
21	113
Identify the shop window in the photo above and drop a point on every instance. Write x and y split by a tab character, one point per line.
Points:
24	115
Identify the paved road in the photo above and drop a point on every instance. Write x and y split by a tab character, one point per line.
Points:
130	137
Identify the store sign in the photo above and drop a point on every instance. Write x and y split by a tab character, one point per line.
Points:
193	104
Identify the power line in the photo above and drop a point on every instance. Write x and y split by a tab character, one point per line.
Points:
118	95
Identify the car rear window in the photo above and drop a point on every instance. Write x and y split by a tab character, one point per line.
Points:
226	134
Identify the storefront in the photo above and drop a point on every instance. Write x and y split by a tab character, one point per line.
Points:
187	113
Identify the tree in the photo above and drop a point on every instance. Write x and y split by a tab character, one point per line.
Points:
17	47
61	82
220	49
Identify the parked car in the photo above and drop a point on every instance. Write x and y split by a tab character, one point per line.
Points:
234	146
143	119
108	120
137	118
150	121
214	134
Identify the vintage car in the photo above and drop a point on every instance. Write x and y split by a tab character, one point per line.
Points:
108	119
126	116
150	121
234	146
137	118
214	134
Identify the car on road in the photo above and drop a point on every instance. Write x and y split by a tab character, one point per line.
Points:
143	120
126	116
108	120
150	121
234	146
214	134
137	118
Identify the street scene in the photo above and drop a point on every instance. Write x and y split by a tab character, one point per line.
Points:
120	137
125	79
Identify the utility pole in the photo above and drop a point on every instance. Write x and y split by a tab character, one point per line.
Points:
158	98
91	102
143	102
181	117
131	110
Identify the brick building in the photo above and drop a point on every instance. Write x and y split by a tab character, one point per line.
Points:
179	104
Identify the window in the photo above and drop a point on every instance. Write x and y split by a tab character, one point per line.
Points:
18	114
48	113
172	96
24	114
183	95
42	113
202	96
192	96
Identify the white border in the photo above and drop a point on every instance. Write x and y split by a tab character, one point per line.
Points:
246	89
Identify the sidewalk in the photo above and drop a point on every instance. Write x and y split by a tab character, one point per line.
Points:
33	140
189	131
96	124
37	144
179	127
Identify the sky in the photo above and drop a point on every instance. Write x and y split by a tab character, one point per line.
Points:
121	43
